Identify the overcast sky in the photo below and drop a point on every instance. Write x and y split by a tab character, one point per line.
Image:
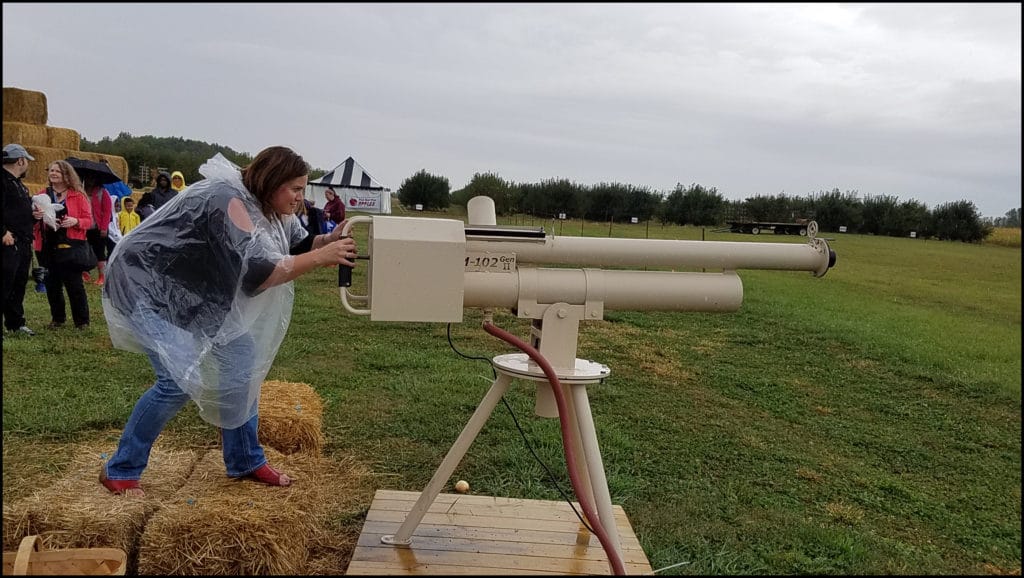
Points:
919	101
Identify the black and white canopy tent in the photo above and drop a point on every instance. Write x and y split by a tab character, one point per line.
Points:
354	186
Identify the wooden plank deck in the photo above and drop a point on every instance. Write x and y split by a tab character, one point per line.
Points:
467	534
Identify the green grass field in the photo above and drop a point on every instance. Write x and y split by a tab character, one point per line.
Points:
867	422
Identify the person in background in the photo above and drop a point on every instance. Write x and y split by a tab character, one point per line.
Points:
145	207
127	219
99	202
178	181
17	238
334	210
39	275
113	229
75	220
204	288
157	197
312	221
162	192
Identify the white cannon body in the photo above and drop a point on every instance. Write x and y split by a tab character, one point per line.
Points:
430	270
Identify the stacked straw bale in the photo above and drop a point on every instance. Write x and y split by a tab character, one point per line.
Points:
64	138
25	116
77	512
28	106
215	525
291	417
25	134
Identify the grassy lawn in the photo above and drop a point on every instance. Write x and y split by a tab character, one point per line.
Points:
868	422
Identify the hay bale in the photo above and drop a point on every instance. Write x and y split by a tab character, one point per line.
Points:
37	169
291	417
88	155
117	164
216	525
27	135
63	138
22	105
77	512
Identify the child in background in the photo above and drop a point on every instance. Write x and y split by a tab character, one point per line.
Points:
127	218
113	228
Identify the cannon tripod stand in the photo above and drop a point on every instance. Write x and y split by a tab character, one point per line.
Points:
555	335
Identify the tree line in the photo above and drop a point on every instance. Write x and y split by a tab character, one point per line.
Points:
693	204
171	153
700	205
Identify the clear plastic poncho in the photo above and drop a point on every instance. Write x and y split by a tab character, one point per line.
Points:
184	288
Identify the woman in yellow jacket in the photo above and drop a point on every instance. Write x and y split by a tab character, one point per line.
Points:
177	181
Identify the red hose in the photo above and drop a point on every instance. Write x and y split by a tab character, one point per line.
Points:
570	459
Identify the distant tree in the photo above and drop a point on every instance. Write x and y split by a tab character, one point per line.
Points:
488	185
560	196
1011	219
835	209
881	215
606	201
641	203
959	221
425	189
770	208
548	198
693	205
914	217
173	153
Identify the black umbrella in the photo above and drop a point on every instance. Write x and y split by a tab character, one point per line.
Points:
91	170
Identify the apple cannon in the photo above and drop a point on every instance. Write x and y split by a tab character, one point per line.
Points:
431	270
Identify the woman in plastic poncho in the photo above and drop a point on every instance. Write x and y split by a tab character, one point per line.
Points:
203	288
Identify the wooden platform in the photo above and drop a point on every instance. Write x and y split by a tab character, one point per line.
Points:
467	534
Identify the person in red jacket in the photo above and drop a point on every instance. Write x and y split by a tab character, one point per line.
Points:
99	201
74	219
334	210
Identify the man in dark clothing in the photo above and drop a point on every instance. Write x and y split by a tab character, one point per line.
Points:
17	237
157	197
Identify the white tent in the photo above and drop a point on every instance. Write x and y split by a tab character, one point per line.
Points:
354	186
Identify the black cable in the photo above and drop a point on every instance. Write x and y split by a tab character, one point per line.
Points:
522	433
484	359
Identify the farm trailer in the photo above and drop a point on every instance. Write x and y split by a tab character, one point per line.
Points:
758	227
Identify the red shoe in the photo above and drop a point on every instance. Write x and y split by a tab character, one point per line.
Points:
100	280
268	475
86	277
118	487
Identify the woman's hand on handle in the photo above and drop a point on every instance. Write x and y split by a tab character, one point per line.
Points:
341	251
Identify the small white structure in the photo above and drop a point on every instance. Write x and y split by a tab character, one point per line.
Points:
354	186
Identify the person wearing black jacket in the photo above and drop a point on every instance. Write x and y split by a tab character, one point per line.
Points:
17	238
157	197
312	220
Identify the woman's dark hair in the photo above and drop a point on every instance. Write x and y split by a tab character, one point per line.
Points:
271	168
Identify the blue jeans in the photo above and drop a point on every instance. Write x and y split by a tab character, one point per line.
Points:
242	451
